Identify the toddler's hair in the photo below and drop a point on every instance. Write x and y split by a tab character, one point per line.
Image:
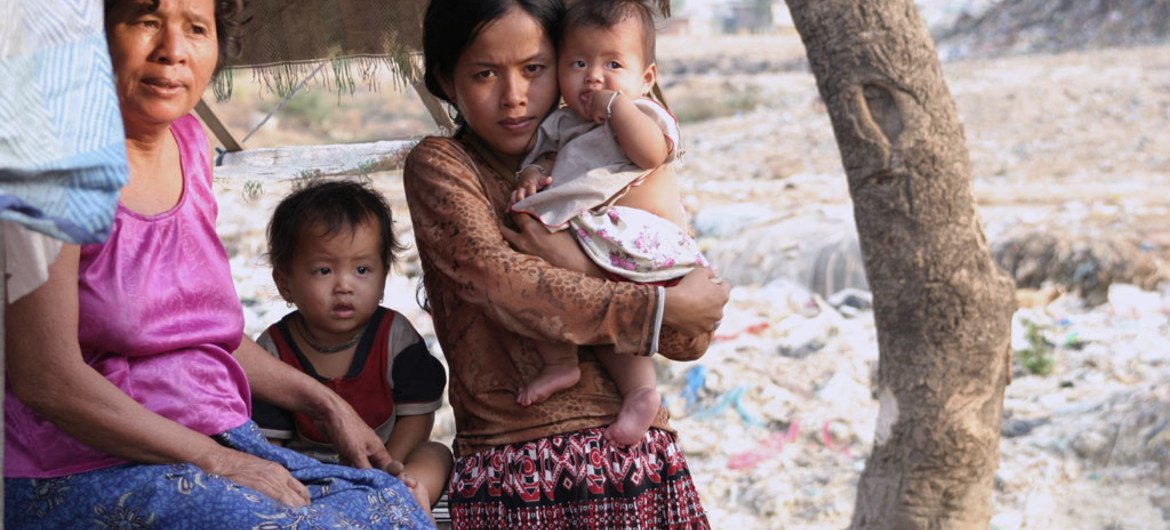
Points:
333	205
608	13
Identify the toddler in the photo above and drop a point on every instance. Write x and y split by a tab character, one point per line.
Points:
602	167
331	245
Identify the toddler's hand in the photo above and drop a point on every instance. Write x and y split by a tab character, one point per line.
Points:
419	491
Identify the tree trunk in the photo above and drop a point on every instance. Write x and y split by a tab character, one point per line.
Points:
942	306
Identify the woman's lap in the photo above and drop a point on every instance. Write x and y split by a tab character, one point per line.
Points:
182	496
576	481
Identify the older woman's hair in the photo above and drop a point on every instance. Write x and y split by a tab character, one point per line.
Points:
229	19
450	26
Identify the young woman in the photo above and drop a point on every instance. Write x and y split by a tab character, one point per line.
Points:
547	465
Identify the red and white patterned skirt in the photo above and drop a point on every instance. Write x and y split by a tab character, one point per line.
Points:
577	481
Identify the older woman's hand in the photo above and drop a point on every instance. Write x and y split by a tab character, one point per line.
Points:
358	444
268	478
695	305
289	388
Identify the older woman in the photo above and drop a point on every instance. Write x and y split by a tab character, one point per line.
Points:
548	465
130	377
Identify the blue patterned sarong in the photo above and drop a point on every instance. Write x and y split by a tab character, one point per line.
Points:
62	146
183	496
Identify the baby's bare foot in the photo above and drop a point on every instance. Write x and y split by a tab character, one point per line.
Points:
638	411
551	379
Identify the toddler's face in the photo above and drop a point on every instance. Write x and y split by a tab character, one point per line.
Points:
336	280
596	58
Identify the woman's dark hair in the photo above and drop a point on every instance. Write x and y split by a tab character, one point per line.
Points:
450	26
334	205
229	20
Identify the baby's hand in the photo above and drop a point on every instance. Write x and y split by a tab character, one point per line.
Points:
600	105
531	179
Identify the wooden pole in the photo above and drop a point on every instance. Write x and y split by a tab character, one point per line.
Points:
217	127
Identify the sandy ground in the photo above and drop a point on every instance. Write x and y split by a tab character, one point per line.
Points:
780	417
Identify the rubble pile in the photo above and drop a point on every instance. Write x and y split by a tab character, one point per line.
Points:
1082	264
1027	26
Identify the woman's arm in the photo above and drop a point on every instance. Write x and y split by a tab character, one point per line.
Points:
458	236
692	308
461	239
558	248
290	389
49	375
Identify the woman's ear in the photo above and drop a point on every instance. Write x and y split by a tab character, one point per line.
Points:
649	77
448	88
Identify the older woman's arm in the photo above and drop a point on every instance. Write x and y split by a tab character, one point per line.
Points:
290	389
48	374
459	237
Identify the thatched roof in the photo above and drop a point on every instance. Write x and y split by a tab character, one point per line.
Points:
286	40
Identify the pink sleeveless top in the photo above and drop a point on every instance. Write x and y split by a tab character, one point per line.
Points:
159	318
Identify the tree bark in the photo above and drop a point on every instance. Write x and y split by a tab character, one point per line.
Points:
942	306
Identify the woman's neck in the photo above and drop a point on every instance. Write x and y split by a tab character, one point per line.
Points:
145	148
156	175
504	166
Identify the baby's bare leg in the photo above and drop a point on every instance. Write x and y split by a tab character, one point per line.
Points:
635	379
560	371
430	465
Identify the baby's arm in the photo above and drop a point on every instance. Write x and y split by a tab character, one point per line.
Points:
639	135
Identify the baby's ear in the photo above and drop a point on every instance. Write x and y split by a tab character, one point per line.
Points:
649	77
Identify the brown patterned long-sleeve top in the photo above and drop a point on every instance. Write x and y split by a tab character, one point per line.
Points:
491	305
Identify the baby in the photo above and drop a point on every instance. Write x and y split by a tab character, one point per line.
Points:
602	167
331	246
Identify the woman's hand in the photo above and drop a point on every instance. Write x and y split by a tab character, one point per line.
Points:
268	478
695	305
558	248
357	444
290	389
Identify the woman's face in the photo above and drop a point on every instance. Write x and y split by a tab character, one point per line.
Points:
163	59
505	83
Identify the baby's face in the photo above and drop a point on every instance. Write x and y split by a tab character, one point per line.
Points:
595	58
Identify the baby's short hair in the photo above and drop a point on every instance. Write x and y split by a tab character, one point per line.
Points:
608	13
334	205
